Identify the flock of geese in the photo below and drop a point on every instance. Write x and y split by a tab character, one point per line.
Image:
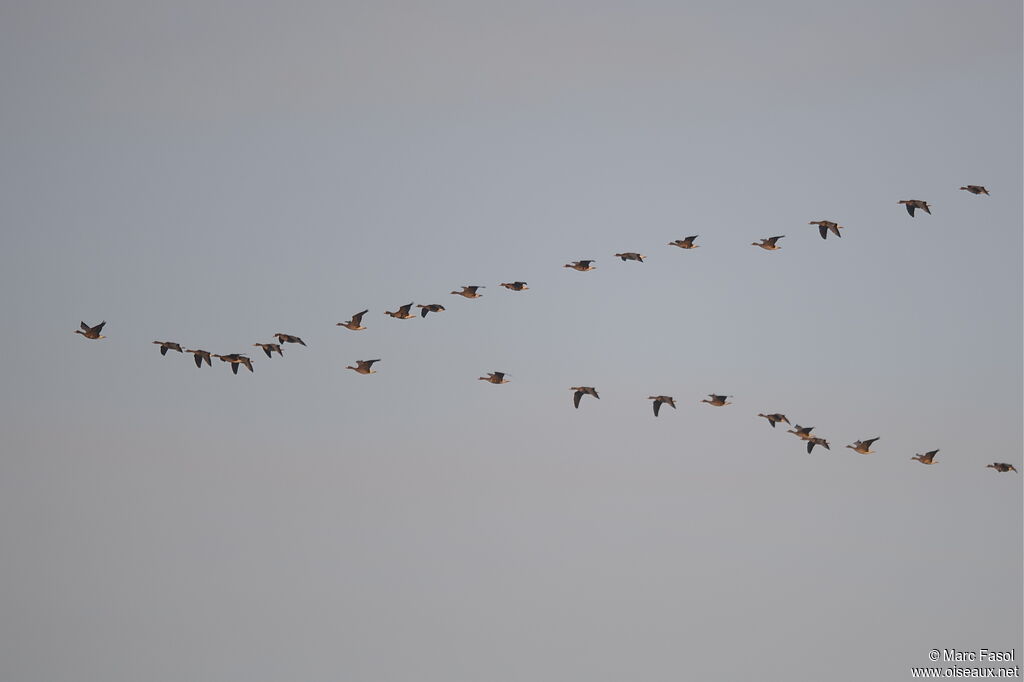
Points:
404	312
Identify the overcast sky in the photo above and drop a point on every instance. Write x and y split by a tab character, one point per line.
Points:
212	173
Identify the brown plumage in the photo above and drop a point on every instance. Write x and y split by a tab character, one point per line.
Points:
495	378
235	359
802	432
660	400
199	356
1001	467
582	391
430	308
913	204
355	324
91	332
515	286
288	338
975	189
469	291
167	345
814	440
581	265
402	313
686	243
717	400
824	226
863	446
773	419
631	255
768	243
926	458
363	366
269	348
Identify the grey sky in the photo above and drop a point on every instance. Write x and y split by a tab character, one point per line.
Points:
213	173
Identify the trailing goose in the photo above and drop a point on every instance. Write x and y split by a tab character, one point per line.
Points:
355	324
912	204
768	243
469	291
582	391
717	400
269	348
659	400
91	332
774	419
430	308
167	345
288	338
814	440
581	265
824	226
235	359
802	432
975	189
686	243
363	366
515	286
630	255
1001	467
199	356
926	458
402	313
495	378
863	446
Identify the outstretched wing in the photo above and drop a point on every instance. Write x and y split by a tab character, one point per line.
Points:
657	407
576	398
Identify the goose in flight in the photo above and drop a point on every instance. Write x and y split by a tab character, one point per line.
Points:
824	226
402	313
363	366
199	356
768	243
355	324
582	391
269	348
926	458
802	432
469	291
167	345
863	446
581	265
814	440
975	189
661	399
1001	467
717	400
235	359
91	332
515	286
631	255
494	378
288	338
773	419
912	204
430	308
686	243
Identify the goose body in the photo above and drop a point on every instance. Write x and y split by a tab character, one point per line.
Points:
168	345
1001	467
269	348
235	359
826	226
355	324
402	313
581	265
768	243
515	286
802	432
199	356
926	458
686	243
631	255
430	308
91	332
863	446
660	400
364	366
469	291
581	391
913	204
975	189
494	378
288	338
773	419
717	400
814	440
